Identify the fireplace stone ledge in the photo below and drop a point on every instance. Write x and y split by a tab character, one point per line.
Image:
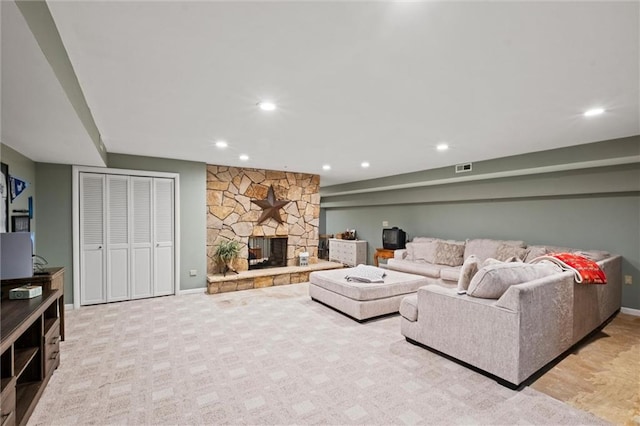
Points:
259	278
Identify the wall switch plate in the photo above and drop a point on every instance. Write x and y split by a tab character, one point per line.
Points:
385	223
193	273
628	279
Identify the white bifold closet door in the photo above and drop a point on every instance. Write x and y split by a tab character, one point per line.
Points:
92	239
142	244
163	236
117	238
127	237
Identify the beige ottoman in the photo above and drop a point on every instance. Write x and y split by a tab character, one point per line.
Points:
362	301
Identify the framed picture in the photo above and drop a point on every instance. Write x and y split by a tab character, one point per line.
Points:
4	193
20	223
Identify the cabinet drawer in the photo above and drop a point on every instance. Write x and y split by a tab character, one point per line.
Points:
52	348
8	404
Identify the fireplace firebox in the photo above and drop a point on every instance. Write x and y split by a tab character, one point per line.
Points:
267	252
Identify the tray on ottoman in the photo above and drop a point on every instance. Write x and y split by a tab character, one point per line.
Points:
363	301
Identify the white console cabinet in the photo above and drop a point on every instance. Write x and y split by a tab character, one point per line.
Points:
349	252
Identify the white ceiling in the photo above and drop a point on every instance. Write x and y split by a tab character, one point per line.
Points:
377	81
37	118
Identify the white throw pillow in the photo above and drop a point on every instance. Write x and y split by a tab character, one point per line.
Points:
423	251
469	269
493	280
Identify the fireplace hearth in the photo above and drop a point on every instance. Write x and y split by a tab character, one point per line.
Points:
267	252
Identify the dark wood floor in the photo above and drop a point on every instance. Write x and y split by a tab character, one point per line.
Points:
601	376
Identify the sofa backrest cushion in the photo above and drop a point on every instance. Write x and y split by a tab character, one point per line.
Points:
449	253
491	281
535	251
424	251
484	248
423	239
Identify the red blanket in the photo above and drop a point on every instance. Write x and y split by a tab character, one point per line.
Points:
587	271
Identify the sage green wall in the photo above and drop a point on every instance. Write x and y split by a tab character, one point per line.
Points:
193	210
54	239
589	208
54	210
25	169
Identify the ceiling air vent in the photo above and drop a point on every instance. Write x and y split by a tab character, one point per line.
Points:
461	168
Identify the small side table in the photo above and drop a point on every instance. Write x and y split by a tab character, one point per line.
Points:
382	253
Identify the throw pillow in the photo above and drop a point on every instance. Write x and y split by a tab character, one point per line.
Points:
492	281
422	251
449	253
469	269
506	251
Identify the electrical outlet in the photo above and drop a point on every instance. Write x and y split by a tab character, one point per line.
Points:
193	273
628	279
385	223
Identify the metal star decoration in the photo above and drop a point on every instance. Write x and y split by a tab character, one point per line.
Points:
270	206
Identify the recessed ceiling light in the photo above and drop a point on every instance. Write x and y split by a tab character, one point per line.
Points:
442	147
244	157
326	167
364	164
221	144
267	105
594	111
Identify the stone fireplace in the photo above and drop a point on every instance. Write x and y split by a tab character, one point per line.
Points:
267	252
231	215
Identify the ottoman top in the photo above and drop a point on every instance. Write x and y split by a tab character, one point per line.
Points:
395	283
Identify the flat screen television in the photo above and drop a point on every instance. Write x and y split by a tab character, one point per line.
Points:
393	238
16	253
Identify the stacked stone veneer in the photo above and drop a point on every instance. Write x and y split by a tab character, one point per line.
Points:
232	215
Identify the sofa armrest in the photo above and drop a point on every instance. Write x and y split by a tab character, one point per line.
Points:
400	254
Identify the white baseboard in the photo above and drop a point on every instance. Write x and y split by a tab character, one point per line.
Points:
68	307
630	311
200	290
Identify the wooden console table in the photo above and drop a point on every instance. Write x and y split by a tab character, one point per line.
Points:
29	344
382	253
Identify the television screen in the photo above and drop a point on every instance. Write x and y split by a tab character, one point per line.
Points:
16	253
393	238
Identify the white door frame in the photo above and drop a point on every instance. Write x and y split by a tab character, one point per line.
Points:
75	191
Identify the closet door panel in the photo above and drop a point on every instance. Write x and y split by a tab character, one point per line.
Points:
163	227
92	239
142	232
117	238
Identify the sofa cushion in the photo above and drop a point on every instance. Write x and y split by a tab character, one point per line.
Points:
409	307
491	281
508	251
467	271
411	267
425	251
423	239
595	255
449	253
535	251
450	273
483	248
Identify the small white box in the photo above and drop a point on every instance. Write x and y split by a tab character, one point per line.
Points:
304	258
25	292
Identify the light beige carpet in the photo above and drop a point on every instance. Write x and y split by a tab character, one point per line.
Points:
266	356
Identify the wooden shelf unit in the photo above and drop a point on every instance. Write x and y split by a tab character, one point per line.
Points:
29	347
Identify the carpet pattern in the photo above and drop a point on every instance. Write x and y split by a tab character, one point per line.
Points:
266	356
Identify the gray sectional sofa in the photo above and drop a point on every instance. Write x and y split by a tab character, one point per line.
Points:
519	330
